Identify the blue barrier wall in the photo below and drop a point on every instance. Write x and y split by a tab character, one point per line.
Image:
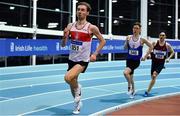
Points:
28	47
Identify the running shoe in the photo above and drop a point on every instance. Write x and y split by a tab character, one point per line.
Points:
146	94
77	108
77	100
132	95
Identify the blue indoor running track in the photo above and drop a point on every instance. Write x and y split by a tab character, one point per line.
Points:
41	90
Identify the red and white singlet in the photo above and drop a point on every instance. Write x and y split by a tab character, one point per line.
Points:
80	46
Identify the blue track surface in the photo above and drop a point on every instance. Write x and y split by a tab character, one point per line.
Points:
41	90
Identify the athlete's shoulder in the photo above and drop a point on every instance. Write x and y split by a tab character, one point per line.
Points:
93	27
128	37
143	40
168	45
70	25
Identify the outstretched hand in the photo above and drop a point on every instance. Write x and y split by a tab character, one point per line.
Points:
143	59
167	60
93	58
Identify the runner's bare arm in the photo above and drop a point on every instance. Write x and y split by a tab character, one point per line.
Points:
102	41
171	52
126	42
149	49
153	44
99	36
66	34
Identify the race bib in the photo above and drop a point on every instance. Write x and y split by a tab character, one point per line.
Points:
76	46
159	56
134	52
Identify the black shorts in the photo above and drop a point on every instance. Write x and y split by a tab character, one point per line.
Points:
72	63
156	67
132	64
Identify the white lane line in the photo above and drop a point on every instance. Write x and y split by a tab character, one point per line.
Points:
80	79
34	95
118	107
29	78
88	73
106	85
61	75
26	113
44	70
7	98
64	69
